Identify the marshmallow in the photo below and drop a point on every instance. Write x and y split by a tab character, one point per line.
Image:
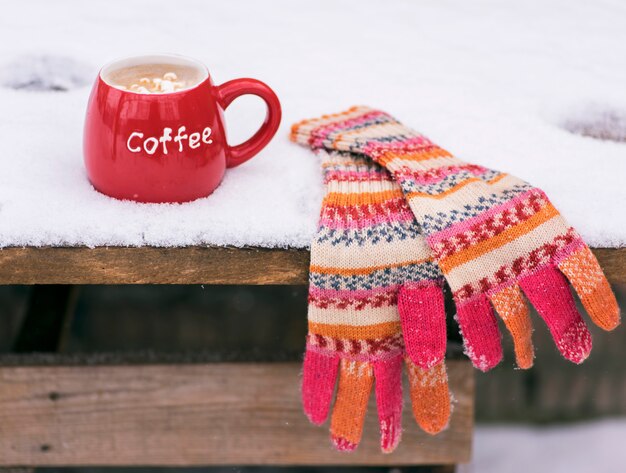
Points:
168	83
167	86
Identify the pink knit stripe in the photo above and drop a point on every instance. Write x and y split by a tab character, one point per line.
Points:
433	176
340	207
354	176
346	293
318	384
548	291
381	299
423	319
359	293
388	377
360	356
365	293
402	216
401	144
481	336
466	225
356	348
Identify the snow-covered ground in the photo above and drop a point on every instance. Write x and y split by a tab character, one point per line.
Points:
496	82
596	447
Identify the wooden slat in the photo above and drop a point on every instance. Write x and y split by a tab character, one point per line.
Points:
149	265
219	414
189	265
613	262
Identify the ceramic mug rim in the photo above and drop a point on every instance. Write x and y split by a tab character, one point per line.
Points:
173	59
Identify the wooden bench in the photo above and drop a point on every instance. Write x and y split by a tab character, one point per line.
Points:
64	410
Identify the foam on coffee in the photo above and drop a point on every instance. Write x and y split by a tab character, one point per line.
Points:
154	78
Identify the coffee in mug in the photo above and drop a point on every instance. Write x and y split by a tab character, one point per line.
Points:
154	78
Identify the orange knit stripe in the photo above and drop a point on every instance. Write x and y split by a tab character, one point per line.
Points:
340	198
415	156
497	178
360	332
507	236
362	271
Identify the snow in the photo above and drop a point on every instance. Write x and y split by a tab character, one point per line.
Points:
596	447
498	83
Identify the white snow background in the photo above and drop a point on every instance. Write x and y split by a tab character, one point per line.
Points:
590	447
494	82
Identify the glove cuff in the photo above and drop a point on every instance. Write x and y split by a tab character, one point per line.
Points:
374	134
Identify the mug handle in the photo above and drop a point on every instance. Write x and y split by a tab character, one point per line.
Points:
229	91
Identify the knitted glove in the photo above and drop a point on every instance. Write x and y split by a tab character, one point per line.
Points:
493	236
371	279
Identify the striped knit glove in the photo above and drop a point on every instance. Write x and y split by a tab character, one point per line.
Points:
493	236
370	280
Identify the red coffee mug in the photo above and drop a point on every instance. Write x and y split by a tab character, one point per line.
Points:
167	147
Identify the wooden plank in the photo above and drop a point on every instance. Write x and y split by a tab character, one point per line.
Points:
149	265
613	262
176	415
188	265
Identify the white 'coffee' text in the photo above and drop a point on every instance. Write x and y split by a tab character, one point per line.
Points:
136	141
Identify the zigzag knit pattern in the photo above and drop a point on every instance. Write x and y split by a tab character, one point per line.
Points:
367	262
493	236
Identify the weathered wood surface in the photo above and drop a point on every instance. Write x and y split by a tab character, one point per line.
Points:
219	414
188	265
149	265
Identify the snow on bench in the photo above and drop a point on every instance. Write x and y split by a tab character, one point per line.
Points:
513	90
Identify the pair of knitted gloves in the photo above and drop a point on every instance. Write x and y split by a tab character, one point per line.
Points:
400	216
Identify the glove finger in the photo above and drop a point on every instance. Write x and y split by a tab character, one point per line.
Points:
583	271
509	304
388	376
479	329
423	319
355	384
318	384
549	292
430	397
